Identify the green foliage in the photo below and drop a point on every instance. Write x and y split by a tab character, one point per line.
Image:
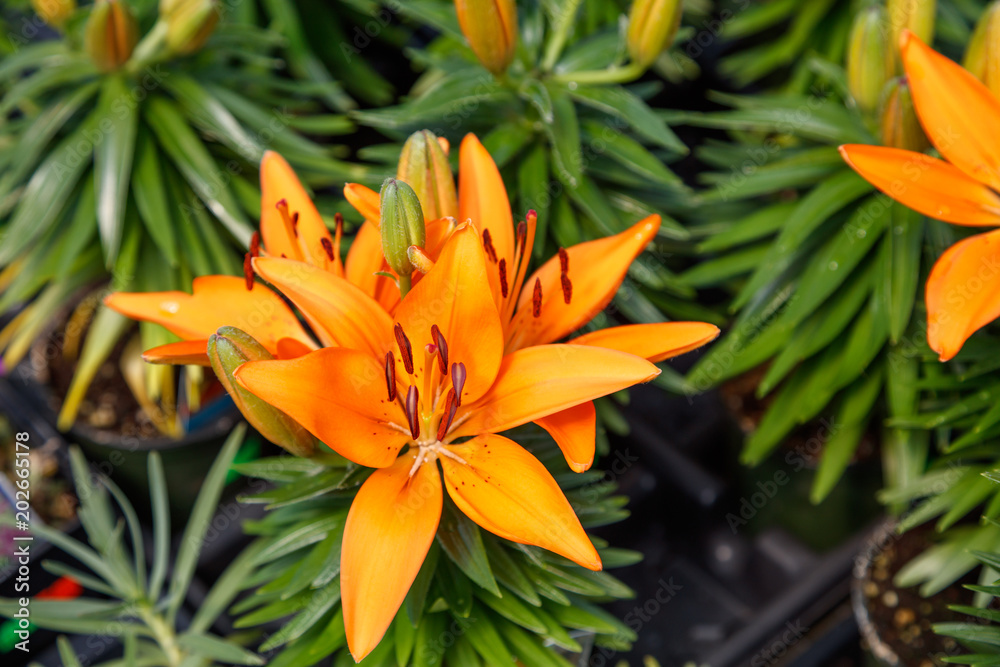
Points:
154	161
478	600
132	606
571	128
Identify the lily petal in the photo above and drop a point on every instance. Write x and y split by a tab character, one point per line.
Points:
341	314
455	295
960	115
575	431
365	201
507	491
925	184
217	301
963	292
596	269
339	395
538	381
388	533
365	261
180	353
654	342
278	181
482	196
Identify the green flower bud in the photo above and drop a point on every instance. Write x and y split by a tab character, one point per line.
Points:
982	57
869	60
917	16
899	123
424	166
402	224
652	25
110	34
228	349
189	23
54	12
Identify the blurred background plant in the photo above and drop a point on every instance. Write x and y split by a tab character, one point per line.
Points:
823	277
130	596
132	131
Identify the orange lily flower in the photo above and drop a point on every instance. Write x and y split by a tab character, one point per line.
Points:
557	299
429	379
290	227
962	119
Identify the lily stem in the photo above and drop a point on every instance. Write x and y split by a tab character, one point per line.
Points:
405	282
554	47
164	635
616	74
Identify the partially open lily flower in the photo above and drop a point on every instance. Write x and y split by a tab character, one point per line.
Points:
962	119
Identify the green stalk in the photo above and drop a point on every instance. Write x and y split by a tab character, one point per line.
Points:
559	36
616	74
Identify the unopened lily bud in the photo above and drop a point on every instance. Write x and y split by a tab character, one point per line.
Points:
424	166
189	23
402	224
54	12
900	126
491	28
228	349
110	34
869	60
917	16
652	25
982	57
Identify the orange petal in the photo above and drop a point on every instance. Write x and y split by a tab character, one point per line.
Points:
654	342
184	352
364	261
217	301
575	431
365	201
925	184
455	295
278	181
960	115
963	292
339	395
596	269
538	381
482	196
388	533
509	492
341	314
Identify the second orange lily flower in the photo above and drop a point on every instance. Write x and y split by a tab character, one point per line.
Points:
962	119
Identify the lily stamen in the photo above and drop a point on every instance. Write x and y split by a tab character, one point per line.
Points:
248	271
503	277
458	375
390	375
488	246
536	299
405	350
413	411
442	346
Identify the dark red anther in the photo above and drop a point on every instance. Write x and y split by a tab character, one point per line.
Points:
536	299
522	232
248	271
327	247
442	346
503	277
413	411
567	288
295	224
255	245
405	351
390	375
458	375
284	256
488	246
450	407
338	220
563	261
